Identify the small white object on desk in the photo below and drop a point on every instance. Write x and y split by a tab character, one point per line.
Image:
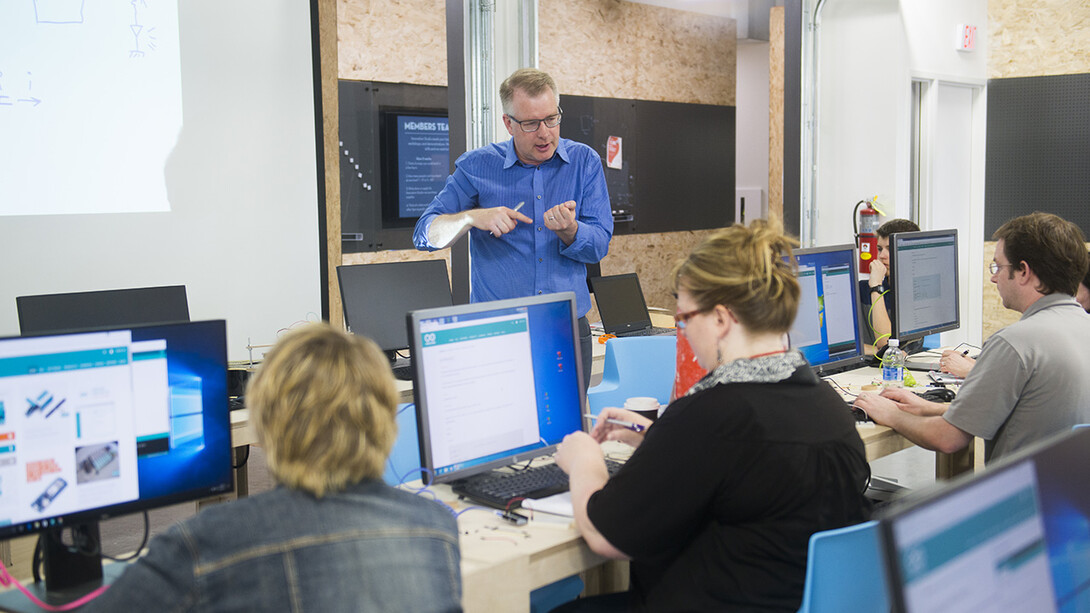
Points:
557	504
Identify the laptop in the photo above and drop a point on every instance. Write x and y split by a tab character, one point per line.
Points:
622	307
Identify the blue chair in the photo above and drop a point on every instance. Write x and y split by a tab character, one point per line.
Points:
405	456
1077	426
844	572
635	366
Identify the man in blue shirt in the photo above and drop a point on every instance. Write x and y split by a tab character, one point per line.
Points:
535	206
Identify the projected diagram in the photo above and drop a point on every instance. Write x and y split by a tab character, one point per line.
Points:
90	91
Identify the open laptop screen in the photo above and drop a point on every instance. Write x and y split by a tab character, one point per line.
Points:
495	382
620	303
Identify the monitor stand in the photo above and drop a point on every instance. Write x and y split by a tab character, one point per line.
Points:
69	575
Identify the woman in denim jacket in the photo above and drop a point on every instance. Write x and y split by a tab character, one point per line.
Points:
332	536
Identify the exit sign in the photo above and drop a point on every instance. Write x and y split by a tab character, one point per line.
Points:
966	40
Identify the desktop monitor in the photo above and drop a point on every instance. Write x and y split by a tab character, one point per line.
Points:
924	274
377	297
495	382
99	424
826	327
1014	537
47	313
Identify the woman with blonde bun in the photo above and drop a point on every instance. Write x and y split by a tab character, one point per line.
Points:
717	504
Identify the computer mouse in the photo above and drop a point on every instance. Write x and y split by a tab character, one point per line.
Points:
938	394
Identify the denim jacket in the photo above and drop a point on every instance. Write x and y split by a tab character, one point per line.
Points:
369	548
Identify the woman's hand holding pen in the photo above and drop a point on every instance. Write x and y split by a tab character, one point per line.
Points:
605	430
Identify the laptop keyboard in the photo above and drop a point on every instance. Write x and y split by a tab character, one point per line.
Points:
499	489
648	332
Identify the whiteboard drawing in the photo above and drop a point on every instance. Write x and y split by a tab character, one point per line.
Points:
58	11
94	106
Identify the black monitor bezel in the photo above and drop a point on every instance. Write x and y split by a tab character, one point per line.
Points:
419	268
101	309
99	514
896	279
944	489
858	360
413	321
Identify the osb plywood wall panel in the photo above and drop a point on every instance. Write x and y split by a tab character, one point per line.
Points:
616	49
1032	38
400	41
593	48
996	316
775	111
651	256
327	50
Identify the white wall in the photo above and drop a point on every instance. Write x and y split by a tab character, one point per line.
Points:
869	53
751	118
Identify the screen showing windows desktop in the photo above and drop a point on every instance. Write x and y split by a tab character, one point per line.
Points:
826	328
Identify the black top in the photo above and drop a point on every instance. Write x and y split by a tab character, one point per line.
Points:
717	505
866	299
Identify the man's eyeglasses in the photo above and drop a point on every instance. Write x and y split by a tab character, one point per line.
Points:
532	125
995	266
682	319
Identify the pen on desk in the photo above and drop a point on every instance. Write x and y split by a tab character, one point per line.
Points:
624	424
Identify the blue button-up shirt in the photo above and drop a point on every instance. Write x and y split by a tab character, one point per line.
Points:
531	259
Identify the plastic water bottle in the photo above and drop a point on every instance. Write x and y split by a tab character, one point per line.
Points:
893	365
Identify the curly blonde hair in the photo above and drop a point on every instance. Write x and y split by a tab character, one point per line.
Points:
750	270
324	405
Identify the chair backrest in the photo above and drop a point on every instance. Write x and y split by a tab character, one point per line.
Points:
405	456
635	366
845	572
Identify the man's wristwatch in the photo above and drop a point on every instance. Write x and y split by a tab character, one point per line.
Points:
876	289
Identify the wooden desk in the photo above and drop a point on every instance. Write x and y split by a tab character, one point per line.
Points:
882	441
503	563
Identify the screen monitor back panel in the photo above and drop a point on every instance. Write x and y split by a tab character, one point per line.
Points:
378	296
99	424
924	271
495	382
620	303
826	327
47	313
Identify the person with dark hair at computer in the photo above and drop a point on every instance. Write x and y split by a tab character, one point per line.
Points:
876	292
332	536
537	205
719	499
1030	380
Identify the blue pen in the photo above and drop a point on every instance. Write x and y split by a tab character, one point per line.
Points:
617	422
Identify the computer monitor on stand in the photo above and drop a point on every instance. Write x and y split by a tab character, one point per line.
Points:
99	424
495	382
826	327
377	297
924	274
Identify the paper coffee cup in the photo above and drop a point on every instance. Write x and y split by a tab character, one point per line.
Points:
644	405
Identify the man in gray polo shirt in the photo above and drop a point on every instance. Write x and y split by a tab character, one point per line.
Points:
1032	378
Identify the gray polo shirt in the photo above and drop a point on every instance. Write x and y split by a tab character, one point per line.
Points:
1032	379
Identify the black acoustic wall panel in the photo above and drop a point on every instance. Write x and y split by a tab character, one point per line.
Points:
1038	149
678	171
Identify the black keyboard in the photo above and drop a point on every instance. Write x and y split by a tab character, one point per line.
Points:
404	373
498	489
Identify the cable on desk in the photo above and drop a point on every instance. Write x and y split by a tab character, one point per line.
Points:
6	580
839	387
143	543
